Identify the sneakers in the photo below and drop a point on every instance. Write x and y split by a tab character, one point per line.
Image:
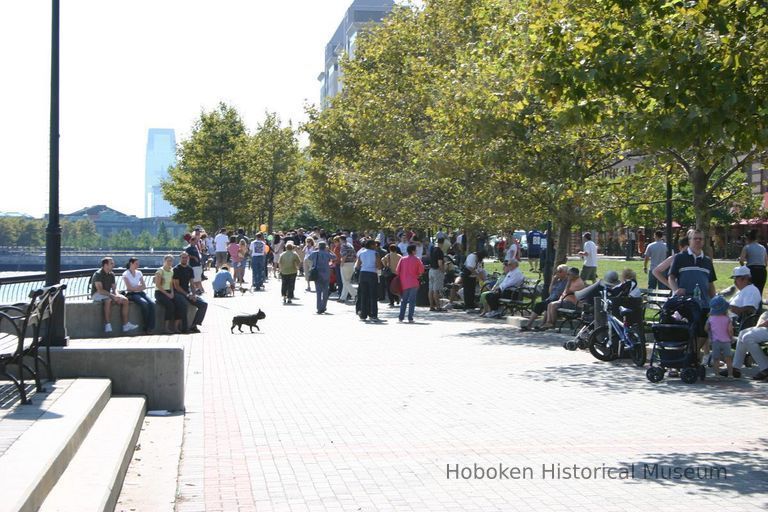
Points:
129	327
107	328
761	375
736	373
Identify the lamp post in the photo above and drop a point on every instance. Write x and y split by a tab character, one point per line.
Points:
56	332
53	230
669	216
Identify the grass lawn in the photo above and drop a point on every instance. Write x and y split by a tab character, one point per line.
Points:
723	269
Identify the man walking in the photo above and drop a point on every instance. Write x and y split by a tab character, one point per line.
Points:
258	261
655	253
589	270
320	260
409	269
220	242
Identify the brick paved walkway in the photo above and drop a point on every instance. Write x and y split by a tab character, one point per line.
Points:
331	414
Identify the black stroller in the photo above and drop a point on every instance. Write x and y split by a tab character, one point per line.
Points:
674	344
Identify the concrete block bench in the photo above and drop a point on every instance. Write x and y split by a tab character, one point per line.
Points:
85	319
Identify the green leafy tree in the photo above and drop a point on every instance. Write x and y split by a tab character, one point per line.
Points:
274	170
163	238
683	81
207	184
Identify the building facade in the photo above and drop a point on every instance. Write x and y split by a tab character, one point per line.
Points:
110	222
161	154
359	14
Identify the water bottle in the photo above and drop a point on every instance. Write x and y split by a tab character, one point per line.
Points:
697	293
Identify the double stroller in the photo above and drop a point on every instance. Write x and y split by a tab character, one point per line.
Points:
674	345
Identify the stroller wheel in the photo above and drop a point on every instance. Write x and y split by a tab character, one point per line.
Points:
569	345
654	374
702	372
689	375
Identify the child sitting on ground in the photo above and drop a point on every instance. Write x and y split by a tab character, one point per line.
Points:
720	330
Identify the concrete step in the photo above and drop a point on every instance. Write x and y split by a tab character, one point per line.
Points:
94	477
34	462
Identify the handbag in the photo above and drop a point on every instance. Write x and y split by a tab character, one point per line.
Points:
386	272
396	287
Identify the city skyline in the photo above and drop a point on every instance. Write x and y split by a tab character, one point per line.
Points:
156	64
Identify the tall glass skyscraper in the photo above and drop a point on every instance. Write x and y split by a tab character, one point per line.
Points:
161	154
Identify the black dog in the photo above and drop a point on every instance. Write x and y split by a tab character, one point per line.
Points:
249	320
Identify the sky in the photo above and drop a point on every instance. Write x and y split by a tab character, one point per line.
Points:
130	66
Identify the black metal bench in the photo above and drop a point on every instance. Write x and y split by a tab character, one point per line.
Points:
523	298
21	334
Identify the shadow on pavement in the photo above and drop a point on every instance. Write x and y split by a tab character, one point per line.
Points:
742	472
621	377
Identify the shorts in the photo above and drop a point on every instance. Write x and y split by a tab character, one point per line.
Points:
239	264
100	298
721	349
588	273
197	273
436	280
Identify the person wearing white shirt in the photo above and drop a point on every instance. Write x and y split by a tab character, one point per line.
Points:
469	273
513	280
220	242
747	299
589	270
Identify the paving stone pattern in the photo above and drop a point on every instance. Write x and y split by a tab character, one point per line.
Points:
329	413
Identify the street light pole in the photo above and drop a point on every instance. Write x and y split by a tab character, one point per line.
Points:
53	231
670	249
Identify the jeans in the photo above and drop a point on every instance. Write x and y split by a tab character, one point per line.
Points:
409	299
654	283
147	306
288	285
321	289
170	305
258	263
184	303
368	291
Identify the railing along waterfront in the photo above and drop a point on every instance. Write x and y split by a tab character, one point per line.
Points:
15	289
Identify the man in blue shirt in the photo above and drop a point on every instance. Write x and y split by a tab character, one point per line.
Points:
534	248
223	282
692	273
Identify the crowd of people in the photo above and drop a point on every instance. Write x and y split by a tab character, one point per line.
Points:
363	269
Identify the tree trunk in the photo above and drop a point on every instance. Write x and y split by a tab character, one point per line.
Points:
563	238
701	209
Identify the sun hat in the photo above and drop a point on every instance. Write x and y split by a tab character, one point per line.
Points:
718	305
741	272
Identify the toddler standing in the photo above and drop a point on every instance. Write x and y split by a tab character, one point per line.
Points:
720	331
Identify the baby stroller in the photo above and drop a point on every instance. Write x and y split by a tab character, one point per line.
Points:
674	344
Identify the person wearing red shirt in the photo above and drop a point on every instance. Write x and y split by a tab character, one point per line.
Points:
408	270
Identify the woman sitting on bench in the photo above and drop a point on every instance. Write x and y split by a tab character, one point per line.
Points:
567	298
556	288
